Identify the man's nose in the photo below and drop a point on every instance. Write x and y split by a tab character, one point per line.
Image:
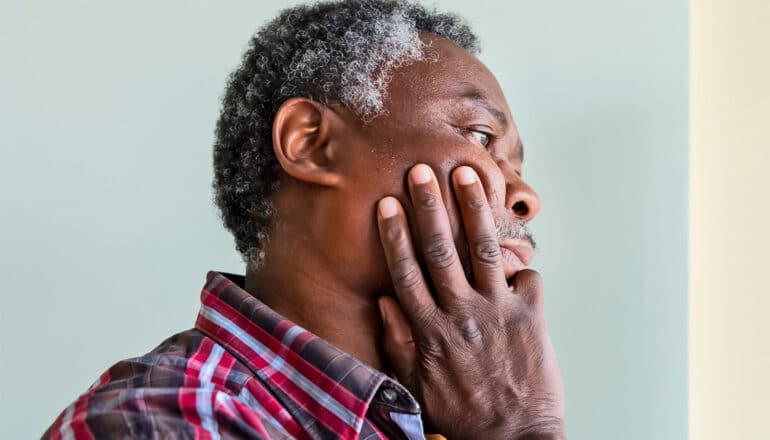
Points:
520	197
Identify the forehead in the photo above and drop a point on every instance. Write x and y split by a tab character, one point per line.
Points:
450	78
448	72
449	84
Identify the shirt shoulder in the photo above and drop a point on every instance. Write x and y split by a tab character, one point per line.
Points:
187	387
187	359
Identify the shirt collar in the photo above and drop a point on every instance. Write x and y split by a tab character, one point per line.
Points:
330	383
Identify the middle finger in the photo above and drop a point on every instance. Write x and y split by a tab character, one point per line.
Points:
436	238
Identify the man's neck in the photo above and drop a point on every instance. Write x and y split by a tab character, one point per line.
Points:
306	295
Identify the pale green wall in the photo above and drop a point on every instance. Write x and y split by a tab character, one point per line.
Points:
107	227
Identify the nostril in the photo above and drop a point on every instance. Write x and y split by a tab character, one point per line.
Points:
520	209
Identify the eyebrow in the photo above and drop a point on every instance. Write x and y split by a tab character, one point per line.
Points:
479	99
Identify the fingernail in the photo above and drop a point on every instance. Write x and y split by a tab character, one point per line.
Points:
388	207
421	174
465	176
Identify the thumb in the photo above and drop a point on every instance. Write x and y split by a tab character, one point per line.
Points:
397	343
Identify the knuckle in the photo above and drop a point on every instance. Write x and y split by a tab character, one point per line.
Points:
427	201
487	250
471	332
395	234
439	252
516	313
406	274
525	321
477	203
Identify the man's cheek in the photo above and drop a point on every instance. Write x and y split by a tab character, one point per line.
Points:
492	180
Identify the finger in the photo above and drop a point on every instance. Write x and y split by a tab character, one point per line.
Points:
405	272
483	245
529	285
436	238
397	342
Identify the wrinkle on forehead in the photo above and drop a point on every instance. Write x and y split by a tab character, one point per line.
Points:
448	72
447	75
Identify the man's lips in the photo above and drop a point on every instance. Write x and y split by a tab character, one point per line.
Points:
517	254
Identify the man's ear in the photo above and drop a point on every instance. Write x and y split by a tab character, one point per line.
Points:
302	141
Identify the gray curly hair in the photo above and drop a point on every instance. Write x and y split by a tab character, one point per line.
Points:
344	51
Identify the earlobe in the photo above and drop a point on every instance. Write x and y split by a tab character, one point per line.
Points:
302	141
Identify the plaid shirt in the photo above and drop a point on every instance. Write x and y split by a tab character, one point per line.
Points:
246	372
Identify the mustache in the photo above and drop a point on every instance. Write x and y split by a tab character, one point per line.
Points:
514	230
507	229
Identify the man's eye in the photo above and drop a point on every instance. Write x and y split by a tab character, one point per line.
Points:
480	137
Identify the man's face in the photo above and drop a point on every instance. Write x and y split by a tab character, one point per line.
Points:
443	113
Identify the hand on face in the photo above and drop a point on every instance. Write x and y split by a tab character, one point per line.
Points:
477	357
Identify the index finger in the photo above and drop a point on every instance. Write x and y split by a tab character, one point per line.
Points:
408	281
436	238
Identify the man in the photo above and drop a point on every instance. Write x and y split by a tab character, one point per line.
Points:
370	171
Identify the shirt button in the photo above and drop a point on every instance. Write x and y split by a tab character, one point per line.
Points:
388	395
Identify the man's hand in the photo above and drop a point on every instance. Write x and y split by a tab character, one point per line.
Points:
478	358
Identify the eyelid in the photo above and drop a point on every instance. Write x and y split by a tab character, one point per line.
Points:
486	131
481	128
487	137
465	129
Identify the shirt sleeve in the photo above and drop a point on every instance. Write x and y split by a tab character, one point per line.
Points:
161	413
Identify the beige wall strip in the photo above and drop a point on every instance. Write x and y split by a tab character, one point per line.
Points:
730	220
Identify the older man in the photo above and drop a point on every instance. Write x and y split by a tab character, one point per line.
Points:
370	170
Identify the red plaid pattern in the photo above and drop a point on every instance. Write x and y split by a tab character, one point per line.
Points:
242	372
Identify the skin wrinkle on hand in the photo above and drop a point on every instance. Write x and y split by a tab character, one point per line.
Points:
443	366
